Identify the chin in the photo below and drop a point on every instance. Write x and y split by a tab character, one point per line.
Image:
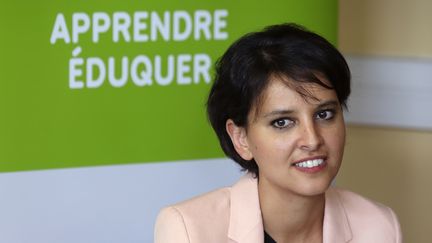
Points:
314	189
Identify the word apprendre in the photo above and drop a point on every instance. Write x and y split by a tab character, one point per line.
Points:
139	27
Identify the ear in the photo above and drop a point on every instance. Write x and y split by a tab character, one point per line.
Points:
239	139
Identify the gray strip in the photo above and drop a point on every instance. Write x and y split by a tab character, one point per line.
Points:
394	92
101	204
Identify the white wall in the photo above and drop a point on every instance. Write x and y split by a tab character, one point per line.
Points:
101	204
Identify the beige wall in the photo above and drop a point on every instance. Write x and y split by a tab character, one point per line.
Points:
393	167
386	27
390	165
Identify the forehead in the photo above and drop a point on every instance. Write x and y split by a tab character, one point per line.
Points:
292	95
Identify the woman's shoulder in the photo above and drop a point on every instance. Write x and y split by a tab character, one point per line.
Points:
357	204
367	216
191	218
214	200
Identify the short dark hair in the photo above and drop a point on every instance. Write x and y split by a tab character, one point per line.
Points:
245	69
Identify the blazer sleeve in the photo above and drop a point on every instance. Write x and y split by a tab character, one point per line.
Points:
397	226
170	227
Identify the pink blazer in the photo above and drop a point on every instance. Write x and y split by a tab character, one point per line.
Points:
233	214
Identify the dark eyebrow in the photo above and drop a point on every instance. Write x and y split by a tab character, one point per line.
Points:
278	113
328	103
283	112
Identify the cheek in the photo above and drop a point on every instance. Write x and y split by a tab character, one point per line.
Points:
266	148
285	144
276	148
336	139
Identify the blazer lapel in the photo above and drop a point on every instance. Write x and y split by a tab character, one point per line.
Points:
245	224
336	228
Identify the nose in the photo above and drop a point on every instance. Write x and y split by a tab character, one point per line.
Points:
311	139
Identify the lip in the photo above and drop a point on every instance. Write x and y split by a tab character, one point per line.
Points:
310	158
311	170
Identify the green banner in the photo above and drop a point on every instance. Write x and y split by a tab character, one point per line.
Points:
86	83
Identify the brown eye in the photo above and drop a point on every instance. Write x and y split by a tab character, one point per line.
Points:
325	115
282	123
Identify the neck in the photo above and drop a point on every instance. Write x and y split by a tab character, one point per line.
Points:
290	217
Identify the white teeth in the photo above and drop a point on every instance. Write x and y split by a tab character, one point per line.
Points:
310	163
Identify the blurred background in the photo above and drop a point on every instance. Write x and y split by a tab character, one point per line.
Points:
388	156
96	163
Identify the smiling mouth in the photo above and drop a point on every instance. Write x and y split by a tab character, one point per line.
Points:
309	163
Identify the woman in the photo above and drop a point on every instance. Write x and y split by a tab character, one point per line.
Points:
277	108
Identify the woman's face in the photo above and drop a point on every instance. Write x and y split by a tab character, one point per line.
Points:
296	141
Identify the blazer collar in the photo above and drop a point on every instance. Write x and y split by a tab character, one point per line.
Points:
336	228
246	224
